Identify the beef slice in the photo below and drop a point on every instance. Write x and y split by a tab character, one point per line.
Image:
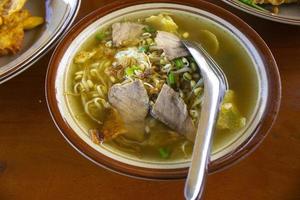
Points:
170	44
126	33
170	109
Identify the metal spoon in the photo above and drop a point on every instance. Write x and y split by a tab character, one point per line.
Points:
215	86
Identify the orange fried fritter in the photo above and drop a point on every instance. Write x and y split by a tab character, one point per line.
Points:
13	22
12	33
11	40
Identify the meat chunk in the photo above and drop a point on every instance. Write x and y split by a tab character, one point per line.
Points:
171	45
170	109
131	100
126	33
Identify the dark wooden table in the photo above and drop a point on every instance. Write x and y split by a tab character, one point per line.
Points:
37	163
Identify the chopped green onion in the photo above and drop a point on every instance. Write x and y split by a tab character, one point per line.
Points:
164	152
129	71
136	67
171	79
252	4
144	48
101	35
178	63
149	29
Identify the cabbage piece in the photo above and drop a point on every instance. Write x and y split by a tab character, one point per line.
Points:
229	116
209	41
162	22
158	138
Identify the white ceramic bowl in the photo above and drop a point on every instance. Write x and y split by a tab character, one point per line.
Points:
258	124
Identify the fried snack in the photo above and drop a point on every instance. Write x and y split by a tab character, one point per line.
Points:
11	40
274	2
13	22
32	22
11	32
8	7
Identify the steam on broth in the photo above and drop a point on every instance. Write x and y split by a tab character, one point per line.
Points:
134	87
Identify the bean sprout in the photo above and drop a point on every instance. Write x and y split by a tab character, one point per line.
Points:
185	62
182	70
148	84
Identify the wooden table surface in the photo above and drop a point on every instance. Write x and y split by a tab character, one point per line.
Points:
37	163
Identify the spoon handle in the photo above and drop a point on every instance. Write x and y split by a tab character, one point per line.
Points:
213	94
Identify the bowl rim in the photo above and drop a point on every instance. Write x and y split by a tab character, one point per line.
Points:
44	48
270	113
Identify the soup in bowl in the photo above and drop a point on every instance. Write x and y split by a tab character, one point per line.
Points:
125	93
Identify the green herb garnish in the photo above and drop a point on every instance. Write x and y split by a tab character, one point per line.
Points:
178	63
101	35
129	71
171	79
164	152
149	29
253	5
144	48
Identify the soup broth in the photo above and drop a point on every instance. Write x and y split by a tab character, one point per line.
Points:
159	141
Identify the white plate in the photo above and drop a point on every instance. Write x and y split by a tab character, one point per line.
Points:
289	13
59	15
